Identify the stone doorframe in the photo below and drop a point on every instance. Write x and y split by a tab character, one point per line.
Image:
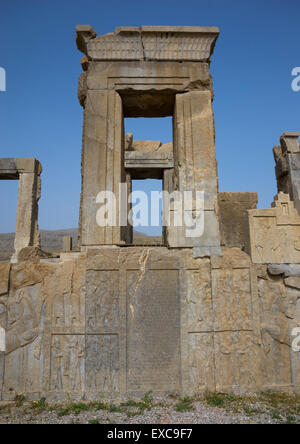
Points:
151	71
27	171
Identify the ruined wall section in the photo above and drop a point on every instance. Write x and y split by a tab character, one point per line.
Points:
42	314
117	323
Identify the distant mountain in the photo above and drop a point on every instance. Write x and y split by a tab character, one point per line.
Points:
51	240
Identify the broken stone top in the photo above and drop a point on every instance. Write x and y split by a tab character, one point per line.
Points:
189	43
289	144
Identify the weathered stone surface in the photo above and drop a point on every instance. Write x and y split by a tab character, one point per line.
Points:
232	212
120	321
153	331
275	233
11	168
45	313
145	160
290	142
149	43
293	282
287	158
128	142
284	269
102	168
4	278
207	251
147	146
278	316
84	33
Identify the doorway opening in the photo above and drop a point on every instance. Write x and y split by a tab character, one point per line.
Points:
150	128
148	153
9	202
147	212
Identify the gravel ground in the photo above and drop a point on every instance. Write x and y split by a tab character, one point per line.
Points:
155	411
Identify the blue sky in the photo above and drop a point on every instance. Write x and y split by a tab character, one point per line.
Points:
40	116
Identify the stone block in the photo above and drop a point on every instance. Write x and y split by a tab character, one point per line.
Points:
232	211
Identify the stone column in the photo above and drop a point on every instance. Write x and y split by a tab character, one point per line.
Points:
128	230
196	167
102	163
29	192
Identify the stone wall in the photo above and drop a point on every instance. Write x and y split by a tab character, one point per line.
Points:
118	322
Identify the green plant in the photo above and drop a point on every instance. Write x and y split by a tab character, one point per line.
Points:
20	399
184	405
215	399
40	405
94	421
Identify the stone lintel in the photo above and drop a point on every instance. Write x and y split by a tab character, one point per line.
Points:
149	43
11	168
135	159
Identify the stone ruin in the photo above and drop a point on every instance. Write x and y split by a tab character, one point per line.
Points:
217	312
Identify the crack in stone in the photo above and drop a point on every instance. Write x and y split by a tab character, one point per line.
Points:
143	263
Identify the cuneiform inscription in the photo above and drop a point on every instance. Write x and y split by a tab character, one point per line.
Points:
153	330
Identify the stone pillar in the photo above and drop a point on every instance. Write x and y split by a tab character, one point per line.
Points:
102	163
67	244
287	158
196	167
29	192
